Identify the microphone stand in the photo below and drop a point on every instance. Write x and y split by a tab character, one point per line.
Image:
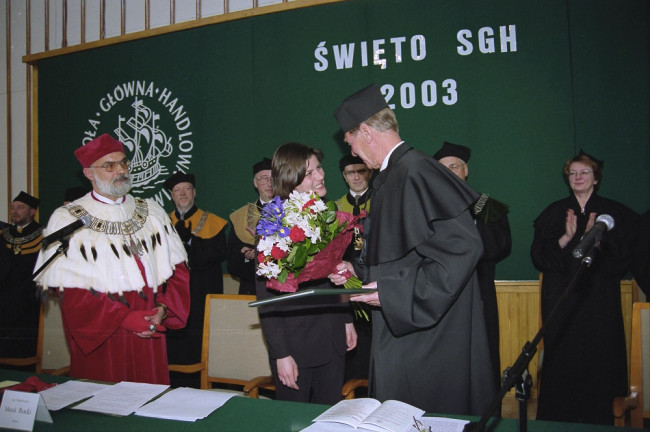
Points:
517	375
63	247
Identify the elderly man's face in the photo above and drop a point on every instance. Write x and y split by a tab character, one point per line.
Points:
456	165
183	195
361	145
263	184
21	213
109	175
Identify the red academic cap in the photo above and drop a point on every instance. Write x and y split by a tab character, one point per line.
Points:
98	148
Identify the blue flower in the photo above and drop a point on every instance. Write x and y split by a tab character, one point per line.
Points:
284	231
271	218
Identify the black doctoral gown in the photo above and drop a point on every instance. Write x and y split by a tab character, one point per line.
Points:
207	249
19	300
584	363
429	345
492	223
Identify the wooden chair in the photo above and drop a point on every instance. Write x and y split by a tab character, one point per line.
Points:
52	355
632	409
351	386
233	350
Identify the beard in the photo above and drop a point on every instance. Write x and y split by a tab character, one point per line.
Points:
118	186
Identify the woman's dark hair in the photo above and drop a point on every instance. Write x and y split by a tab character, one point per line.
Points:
289	166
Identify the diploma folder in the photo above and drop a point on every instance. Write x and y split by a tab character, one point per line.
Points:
307	293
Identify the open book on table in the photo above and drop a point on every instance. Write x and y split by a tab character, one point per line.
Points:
367	414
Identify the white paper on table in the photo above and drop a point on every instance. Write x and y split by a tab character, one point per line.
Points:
63	395
437	424
185	404
442	424
122	398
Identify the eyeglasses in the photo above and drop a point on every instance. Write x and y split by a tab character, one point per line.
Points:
362	171
584	173
264	179
419	426
455	166
112	166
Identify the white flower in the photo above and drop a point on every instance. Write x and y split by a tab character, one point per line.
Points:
266	244
284	244
313	233
318	207
268	269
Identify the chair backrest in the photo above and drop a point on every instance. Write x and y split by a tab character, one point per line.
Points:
640	359
233	344
55	355
230	285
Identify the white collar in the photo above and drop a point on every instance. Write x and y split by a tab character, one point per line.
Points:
106	200
355	194
384	164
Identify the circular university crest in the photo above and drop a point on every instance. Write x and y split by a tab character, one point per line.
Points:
154	127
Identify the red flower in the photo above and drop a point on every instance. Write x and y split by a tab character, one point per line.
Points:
260	257
278	253
297	234
308	204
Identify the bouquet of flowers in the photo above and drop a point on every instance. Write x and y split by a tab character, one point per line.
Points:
301	239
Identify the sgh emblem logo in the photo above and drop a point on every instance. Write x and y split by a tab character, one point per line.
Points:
155	129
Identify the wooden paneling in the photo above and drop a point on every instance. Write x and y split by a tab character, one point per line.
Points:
520	319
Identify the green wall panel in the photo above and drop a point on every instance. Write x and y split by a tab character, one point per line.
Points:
543	79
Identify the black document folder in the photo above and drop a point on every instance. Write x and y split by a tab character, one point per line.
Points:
311	293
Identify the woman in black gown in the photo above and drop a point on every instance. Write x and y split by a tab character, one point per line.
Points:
584	363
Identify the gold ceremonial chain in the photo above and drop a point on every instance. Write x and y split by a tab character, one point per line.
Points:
199	226
358	239
480	203
17	242
126	228
252	216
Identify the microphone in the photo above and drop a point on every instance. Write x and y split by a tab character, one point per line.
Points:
67	230
603	223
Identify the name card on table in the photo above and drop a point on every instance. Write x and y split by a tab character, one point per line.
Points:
19	410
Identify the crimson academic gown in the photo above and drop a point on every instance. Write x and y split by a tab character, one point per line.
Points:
584	365
100	349
429	345
128	259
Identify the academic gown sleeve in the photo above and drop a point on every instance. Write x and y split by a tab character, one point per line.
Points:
546	253
497	240
417	290
176	296
238	265
91	318
205	252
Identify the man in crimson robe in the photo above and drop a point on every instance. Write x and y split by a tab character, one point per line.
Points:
123	279
429	341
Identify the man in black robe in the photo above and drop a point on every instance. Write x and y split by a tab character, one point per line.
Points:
491	217
241	240
204	237
20	306
429	345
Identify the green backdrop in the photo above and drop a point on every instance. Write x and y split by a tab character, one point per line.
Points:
525	84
